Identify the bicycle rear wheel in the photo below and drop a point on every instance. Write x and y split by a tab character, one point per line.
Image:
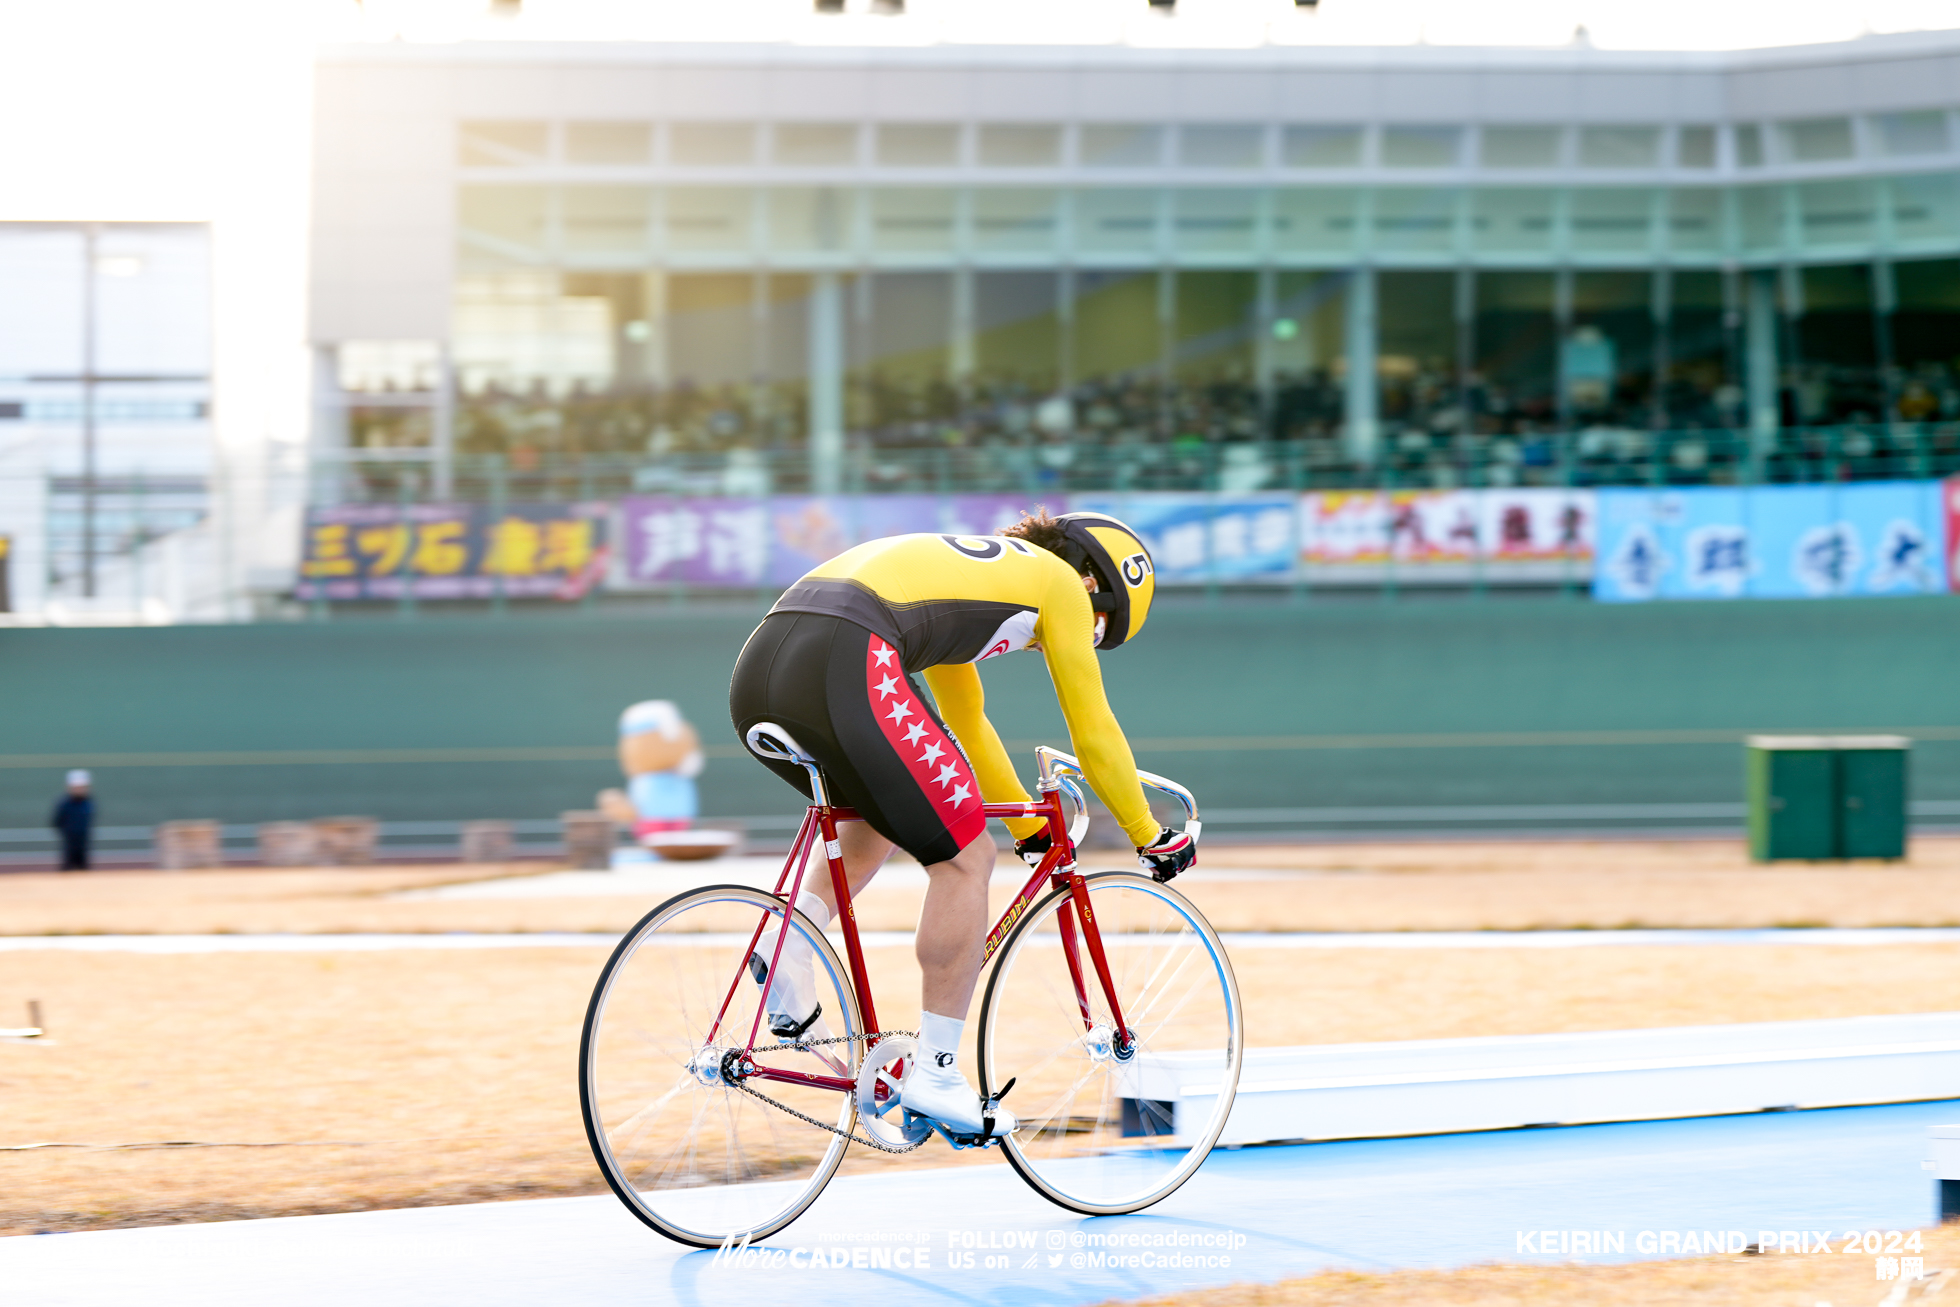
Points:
688	1153
1103	1129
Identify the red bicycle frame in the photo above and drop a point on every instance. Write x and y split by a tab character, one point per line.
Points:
1057	870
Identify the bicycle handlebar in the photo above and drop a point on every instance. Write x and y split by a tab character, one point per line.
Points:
1060	771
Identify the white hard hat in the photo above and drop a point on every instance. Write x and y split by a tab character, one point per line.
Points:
78	777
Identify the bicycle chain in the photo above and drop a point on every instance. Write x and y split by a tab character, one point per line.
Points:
804	1046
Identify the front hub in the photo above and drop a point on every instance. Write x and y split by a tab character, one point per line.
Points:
1101	1042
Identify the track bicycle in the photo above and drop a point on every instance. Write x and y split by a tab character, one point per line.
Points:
1111	1013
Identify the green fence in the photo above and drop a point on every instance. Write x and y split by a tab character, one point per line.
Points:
1317	718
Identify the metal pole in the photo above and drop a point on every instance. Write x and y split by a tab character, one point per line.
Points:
1759	331
1363	431
90	233
826	433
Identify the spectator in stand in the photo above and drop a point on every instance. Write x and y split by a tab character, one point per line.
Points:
74	817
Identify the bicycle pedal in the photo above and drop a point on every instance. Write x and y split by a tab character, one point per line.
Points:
960	1143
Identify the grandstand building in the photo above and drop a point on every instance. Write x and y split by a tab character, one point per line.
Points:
859	266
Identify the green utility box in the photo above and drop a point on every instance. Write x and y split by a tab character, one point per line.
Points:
1827	797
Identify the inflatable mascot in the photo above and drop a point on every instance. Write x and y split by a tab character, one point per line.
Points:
661	756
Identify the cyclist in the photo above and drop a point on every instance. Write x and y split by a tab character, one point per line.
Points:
832	664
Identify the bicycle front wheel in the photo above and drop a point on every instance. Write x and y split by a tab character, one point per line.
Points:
1107	1129
689	1153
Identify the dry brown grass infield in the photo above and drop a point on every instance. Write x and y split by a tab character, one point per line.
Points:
211	1086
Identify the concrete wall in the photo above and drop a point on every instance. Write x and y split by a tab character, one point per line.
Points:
1535	702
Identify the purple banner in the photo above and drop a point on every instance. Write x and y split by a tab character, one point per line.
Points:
734	543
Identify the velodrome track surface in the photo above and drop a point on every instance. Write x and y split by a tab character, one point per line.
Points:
1444	1200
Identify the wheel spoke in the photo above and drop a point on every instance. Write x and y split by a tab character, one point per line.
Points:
690	1155
1175	990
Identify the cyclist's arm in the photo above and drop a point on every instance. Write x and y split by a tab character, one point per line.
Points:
956	689
1064	630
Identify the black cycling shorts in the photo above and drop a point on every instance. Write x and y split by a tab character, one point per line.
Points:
840	691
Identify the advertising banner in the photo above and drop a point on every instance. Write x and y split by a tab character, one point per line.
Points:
1446	526
1773	542
452	551
1195	538
735	543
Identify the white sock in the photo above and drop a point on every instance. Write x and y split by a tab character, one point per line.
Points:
814	908
939	1043
796	949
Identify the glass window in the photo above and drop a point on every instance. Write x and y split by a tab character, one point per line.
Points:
1017	331
1694	221
704	219
918	145
1420	147
1020	145
625	301
1015	221
1912	133
1115	221
1924	328
1514	368
607	219
1694	147
1612	220
1836	213
1309	354
1408	219
711	145
1608	362
1925	208
1114	146
1814	140
502	144
1216	221
902	354
520	331
912	221
711	336
608	143
816	145
1701	384
1118	331
1311	221
384	365
1761	209
1749	145
509	221
1513	221
1220	147
780	413
1416	366
1836	358
1322	147
1520	147
1217	320
809	219
1619	147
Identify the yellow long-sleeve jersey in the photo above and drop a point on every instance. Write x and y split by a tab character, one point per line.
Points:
949	603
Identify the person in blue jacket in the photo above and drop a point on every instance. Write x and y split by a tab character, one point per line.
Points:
74	818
